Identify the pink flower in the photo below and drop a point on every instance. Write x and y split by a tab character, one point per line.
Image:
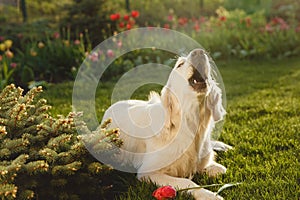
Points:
135	13
165	192
94	57
268	28
110	53
100	52
56	35
170	17
119	44
2	38
284	26
77	42
13	65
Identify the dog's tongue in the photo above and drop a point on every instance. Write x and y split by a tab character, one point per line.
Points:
199	60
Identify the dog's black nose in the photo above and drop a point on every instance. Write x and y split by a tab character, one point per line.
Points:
197	58
197	52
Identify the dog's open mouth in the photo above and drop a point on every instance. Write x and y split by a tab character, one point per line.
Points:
197	82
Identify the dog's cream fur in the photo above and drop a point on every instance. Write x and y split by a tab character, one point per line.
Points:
169	134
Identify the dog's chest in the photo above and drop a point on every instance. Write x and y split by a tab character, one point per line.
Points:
185	165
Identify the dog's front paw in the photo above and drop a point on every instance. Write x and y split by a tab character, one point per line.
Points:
215	169
220	146
203	194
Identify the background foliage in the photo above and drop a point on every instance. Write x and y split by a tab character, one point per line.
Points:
50	48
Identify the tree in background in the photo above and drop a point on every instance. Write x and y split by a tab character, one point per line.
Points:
91	16
23	10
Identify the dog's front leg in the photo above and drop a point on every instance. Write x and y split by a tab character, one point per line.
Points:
180	183
210	167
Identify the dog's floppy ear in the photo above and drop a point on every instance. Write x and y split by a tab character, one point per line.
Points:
214	101
171	105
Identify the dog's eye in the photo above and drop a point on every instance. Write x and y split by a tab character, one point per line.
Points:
180	64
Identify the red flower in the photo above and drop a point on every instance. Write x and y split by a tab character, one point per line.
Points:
121	25
167	26
165	192
248	21
278	20
131	22
223	18
135	13
128	26
183	21
196	27
115	17
126	17
13	65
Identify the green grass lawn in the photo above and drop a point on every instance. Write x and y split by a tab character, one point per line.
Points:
262	124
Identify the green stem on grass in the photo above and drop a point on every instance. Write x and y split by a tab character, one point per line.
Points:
224	186
199	187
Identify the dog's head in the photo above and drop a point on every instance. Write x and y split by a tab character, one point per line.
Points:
192	78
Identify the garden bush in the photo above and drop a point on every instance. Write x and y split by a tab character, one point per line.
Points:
43	157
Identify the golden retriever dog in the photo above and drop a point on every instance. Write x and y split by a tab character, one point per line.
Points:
168	138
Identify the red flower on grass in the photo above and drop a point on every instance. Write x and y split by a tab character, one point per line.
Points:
164	193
